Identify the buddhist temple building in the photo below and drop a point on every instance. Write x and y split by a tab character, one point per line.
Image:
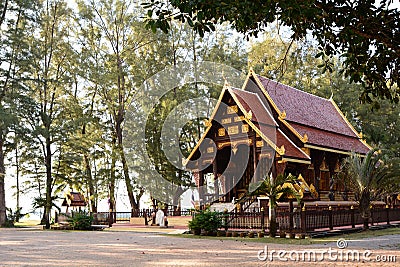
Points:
74	200
265	129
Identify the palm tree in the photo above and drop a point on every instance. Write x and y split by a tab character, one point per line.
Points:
371	178
273	188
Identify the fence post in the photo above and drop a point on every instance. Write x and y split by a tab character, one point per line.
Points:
330	218
387	215
226	219
372	214
303	219
290	215
262	220
145	218
352	217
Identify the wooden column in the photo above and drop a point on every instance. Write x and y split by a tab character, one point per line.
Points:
255	174
200	187
331	160
280	167
317	157
215	173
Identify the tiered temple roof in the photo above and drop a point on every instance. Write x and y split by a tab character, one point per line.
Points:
317	122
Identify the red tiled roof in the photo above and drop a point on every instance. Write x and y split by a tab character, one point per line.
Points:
331	140
252	102
74	199
307	109
261	114
291	150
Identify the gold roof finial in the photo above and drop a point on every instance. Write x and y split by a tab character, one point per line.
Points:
249	115
283	115
305	138
226	83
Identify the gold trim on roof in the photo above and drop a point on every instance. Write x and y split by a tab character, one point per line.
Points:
185	162
266	139
293	130
283	115
296	160
348	123
207	123
249	115
332	150
247	78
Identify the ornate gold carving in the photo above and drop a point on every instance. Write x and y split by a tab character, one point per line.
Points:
306	150
305	138
206	161
234	150
259	143
234	144
223	144
232	109
233	129
210	149
249	115
207	123
267	155
226	120
245	128
282	115
221	132
238	118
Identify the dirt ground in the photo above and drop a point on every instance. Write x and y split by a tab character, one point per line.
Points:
21	247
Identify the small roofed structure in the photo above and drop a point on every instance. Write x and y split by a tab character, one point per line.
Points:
74	200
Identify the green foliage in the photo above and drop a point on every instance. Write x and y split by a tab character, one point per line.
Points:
81	221
371	178
272	188
348	28
209	221
13	217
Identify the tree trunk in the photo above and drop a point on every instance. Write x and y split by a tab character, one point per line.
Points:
364	208
2	186
49	181
17	212
92	193
366	224
128	182
118	129
272	221
112	203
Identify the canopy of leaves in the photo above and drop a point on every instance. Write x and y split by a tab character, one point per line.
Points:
372	177
365	33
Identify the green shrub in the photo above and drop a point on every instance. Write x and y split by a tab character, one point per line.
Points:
81	221
209	221
13	217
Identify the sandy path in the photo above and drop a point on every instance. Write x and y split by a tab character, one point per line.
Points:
106	248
